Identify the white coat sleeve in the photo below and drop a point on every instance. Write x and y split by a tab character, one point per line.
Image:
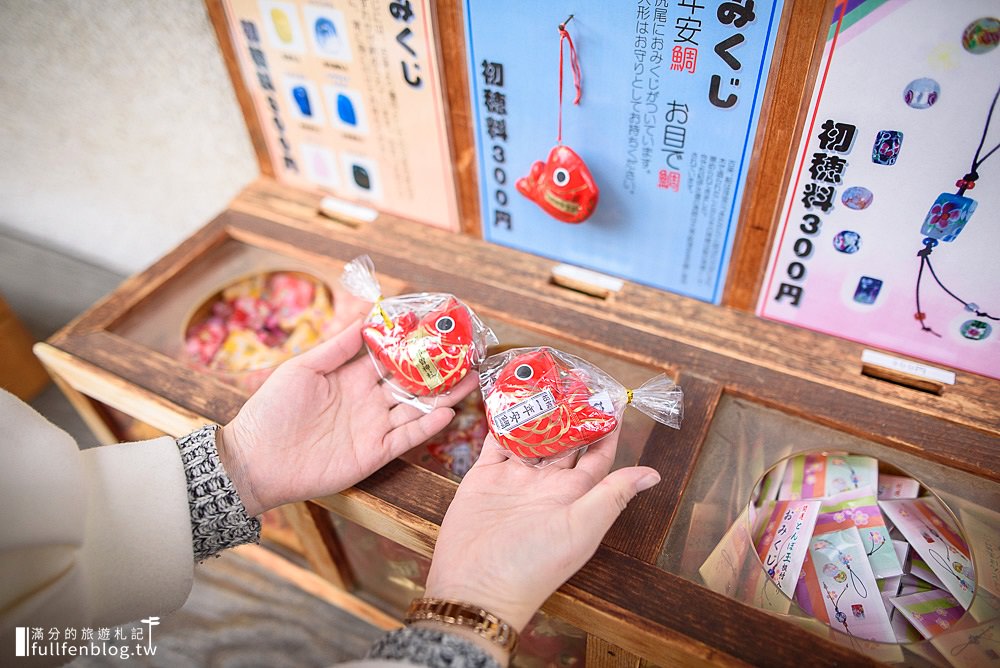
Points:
89	538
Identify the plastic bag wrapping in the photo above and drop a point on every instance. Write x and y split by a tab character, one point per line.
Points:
660	399
422	344
543	404
360	280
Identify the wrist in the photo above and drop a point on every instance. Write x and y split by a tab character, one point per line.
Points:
226	442
514	613
219	518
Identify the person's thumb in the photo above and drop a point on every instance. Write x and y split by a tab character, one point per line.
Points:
331	354
597	510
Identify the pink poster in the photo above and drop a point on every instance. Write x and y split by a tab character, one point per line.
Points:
887	234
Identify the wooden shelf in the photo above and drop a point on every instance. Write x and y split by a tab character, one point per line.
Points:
621	597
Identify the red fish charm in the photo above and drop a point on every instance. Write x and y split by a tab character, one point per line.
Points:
562	186
424	355
539	406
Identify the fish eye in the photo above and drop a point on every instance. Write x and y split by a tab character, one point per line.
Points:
444	324
561	176
524	372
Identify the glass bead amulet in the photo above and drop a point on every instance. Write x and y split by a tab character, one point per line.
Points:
947	216
886	148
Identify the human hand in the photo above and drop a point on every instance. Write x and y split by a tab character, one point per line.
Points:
320	423
514	534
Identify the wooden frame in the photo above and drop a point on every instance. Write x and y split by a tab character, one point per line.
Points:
788	90
633	610
619	596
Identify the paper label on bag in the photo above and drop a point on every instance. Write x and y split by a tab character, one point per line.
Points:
425	363
524	412
602	402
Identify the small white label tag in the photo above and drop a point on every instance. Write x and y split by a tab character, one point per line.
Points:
907	366
524	411
602	402
421	359
587	276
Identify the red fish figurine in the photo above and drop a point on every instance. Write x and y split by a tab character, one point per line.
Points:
563	186
540	406
424	354
422	344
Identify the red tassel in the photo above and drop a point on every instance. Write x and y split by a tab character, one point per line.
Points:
574	64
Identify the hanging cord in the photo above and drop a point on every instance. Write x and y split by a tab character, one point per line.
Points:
920	315
925	260
967	305
875	548
840	616
574	64
974	639
967	182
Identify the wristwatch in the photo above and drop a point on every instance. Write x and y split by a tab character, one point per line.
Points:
484	623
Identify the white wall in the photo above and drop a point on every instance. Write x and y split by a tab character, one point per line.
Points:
119	131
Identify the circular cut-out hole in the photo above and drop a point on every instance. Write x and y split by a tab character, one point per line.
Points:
861	546
257	322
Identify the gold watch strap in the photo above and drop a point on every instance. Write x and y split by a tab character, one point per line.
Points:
484	623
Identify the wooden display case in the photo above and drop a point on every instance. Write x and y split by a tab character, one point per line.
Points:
639	599
624	597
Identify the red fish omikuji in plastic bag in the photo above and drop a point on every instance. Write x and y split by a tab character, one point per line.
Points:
543	404
423	344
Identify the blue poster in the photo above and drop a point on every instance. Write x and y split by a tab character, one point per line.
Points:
670	98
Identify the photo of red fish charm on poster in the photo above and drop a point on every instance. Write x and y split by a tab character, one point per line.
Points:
563	186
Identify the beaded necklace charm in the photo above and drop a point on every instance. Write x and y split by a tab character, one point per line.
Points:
946	219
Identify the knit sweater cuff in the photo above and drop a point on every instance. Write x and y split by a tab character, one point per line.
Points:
218	518
431	648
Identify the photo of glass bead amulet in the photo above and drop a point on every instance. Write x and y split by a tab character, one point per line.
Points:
543	404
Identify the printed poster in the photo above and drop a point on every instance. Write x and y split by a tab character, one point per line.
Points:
349	97
671	93
882	240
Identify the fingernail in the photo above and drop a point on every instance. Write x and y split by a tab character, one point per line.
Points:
647	481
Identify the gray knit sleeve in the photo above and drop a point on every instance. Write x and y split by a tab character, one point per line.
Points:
430	647
218	518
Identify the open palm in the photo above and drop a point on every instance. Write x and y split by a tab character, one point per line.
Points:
515	533
321	423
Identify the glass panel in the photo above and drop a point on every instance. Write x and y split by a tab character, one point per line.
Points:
389	576
452	452
711	541
164	318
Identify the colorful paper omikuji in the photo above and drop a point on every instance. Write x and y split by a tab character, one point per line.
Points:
422	344
543	404
258	322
